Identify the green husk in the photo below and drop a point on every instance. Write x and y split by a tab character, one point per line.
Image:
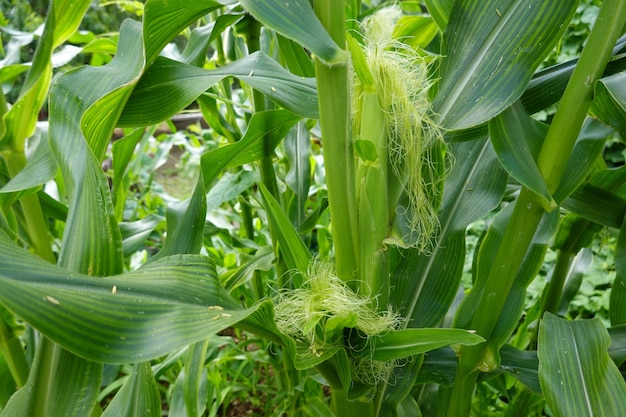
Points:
400	77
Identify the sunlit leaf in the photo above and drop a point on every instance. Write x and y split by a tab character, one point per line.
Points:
491	50
169	86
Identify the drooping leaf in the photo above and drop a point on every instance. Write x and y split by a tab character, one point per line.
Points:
230	186
517	141
163	20
132	317
265	131
62	21
491	50
602	199
40	169
296	20
609	103
576	373
169	86
522	365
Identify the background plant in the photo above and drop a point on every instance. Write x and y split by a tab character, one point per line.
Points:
148	278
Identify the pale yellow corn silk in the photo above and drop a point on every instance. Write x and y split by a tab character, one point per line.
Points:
402	83
324	296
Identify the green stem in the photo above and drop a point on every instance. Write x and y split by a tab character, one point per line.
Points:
578	94
554	289
553	158
333	96
34	218
460	400
13	352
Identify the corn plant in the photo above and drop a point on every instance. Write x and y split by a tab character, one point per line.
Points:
426	119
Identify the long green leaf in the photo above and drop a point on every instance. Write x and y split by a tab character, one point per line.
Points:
169	86
265	131
491	50
138	397
609	104
576	373
296	20
587	150
163	20
122	318
425	285
194	368
440	11
404	343
62	21
60	384
293	249
40	169
517	141
617	308
185	225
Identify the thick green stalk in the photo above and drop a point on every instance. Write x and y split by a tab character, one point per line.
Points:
528	211
578	94
333	96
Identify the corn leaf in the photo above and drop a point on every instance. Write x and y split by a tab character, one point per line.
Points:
617	350
194	369
265	131
602	199
298	178
609	104
440	11
517	141
408	342
576	373
132	317
296	20
40	169
169	86
523	365
70	391
138	397
617	307
163	20
62	21
527	271
425	285
587	150
491	50
185	225
293	249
